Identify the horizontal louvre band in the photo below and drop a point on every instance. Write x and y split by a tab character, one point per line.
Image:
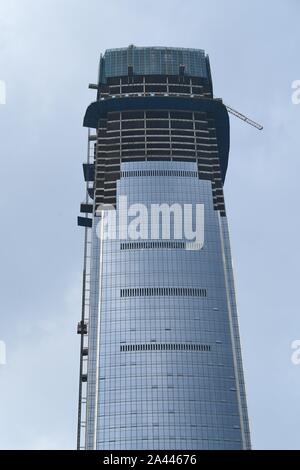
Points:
163	291
162	244
133	173
165	347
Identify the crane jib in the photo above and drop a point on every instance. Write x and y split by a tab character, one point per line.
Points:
244	118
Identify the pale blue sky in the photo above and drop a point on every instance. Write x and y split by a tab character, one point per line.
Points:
49	52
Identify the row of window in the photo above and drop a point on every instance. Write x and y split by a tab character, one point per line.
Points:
155	78
126	174
155	88
156	124
152	84
165	347
200	133
153	143
152	244
152	136
156	114
164	291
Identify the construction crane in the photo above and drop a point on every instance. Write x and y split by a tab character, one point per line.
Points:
244	118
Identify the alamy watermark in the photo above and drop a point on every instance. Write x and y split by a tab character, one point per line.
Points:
152	222
295	357
2	353
296	92
2	92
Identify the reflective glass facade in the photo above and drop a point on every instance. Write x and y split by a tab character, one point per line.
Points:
163	359
152	60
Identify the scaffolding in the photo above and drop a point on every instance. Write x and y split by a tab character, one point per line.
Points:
82	327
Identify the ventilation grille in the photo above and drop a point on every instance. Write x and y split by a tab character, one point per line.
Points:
165	347
133	173
152	244
164	291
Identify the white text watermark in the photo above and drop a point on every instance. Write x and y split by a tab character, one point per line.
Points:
154	222
2	92
295	357
2	353
296	93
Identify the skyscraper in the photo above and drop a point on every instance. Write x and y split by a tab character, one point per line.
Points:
160	358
